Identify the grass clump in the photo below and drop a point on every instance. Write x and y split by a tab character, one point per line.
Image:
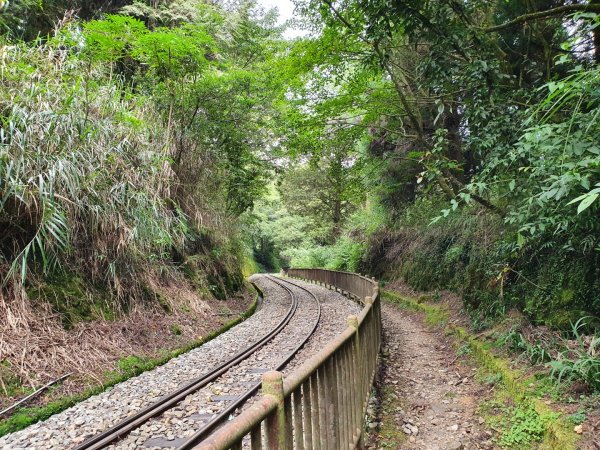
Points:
176	330
573	358
581	362
10	384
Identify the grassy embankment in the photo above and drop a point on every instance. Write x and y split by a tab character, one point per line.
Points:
519	408
128	367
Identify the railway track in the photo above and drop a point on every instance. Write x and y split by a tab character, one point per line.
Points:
230	403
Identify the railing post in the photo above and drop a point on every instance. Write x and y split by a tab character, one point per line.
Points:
355	364
272	385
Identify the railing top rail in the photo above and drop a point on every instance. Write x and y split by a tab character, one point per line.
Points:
371	280
245	422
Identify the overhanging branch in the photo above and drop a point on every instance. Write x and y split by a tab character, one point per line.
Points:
539	15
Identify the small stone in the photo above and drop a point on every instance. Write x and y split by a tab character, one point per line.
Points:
412	439
452	427
578	429
454	445
481	421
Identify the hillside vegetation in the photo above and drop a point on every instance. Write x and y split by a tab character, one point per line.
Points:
130	149
154	153
455	146
130	145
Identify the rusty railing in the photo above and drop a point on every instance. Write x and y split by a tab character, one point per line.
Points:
321	404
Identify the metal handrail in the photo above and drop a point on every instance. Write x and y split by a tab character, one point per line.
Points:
322	403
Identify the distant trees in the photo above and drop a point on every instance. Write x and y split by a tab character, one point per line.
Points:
327	192
489	107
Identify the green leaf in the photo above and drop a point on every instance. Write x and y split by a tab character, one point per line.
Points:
586	202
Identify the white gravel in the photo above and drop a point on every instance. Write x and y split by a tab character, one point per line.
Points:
74	425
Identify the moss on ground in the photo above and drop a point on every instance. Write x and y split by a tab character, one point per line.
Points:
434	314
73	299
520	415
390	433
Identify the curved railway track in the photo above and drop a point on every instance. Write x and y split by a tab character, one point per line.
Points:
123	428
224	415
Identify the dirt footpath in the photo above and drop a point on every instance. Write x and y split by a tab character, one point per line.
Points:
428	397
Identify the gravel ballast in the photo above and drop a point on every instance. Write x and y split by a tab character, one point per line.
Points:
98	413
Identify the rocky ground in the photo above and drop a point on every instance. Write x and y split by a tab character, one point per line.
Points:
35	348
74	425
428	397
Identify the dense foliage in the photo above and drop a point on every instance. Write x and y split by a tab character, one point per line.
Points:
454	144
131	145
472	129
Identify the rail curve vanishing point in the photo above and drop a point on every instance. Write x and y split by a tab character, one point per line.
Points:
102	440
224	415
322	403
319	316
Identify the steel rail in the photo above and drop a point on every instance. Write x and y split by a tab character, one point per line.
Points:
122	428
322	403
223	416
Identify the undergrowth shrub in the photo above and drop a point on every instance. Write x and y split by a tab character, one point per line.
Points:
447	254
472	253
580	361
83	171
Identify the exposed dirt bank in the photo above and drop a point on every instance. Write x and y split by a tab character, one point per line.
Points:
35	348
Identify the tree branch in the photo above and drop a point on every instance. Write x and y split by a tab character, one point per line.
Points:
538	15
458	185
411	115
345	22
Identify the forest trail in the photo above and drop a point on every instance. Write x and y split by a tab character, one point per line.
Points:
429	398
